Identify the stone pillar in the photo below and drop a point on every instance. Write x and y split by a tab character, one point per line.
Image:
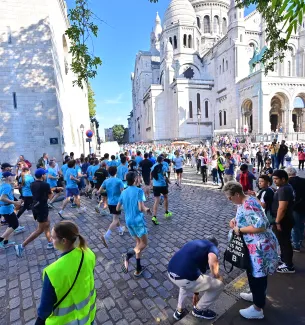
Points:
289	123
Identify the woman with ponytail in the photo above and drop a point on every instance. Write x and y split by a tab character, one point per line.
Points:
68	293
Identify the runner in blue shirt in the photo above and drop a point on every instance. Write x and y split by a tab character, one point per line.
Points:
113	187
132	201
52	178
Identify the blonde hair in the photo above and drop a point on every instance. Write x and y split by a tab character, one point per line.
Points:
69	230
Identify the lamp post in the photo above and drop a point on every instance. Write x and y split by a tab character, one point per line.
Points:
199	119
82	128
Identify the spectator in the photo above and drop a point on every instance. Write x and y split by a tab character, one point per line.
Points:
274	148
298	185
187	270
245	178
267	170
301	157
282	208
260	159
251	222
229	168
281	154
43	162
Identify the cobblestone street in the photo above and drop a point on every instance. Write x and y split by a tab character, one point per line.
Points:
121	299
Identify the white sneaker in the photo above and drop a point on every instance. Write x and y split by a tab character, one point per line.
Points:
246	296
81	210
19	230
121	233
252	313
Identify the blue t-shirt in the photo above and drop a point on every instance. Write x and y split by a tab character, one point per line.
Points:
64	170
112	163
89	173
52	182
152	159
138	159
70	182
230	170
178	162
85	167
93	170
113	187
26	188
129	199
7	190
161	179
192	259
122	171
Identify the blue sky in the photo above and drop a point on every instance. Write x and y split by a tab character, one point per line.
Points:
127	30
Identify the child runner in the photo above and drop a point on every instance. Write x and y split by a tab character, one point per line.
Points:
113	186
132	201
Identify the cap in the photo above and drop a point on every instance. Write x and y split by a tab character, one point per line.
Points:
39	172
7	174
6	165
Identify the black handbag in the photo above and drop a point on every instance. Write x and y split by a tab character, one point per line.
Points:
65	296
237	254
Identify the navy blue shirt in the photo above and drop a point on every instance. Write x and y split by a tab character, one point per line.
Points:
192	259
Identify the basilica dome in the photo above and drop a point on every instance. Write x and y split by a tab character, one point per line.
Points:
179	10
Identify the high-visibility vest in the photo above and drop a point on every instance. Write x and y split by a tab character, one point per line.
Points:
78	308
220	165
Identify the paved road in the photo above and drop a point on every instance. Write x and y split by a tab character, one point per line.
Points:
198	211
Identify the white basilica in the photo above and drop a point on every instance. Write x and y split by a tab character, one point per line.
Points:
197	80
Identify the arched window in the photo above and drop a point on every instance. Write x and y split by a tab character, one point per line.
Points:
198	104
198	22
206	24
220	119
289	68
184	40
224	26
175	42
170	40
216	25
206	108
224	118
190	109
190	42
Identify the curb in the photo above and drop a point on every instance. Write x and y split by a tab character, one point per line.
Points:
226	300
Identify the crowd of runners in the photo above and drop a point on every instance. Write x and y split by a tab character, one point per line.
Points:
261	176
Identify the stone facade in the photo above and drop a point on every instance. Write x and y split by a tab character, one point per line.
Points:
37	100
197	80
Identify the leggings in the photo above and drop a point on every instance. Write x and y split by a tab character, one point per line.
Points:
301	164
204	174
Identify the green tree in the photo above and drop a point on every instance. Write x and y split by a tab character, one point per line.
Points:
118	131
282	17
91	101
82	28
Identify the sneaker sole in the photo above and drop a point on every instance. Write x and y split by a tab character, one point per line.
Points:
202	317
285	272
260	317
19	231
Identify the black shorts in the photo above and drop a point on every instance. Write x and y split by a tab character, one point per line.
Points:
11	220
112	209
179	171
97	185
56	189
158	190
41	213
146	180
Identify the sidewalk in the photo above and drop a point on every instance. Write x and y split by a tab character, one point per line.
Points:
285	300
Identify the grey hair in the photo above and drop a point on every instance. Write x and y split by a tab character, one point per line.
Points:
213	240
291	171
232	188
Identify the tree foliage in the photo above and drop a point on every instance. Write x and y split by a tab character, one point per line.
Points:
91	101
82	27
282	18
118	132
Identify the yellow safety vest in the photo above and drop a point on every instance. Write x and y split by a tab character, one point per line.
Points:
78	308
220	165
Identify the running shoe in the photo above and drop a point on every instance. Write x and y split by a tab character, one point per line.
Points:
9	244
97	209
61	214
50	246
73	205
155	221
140	272
296	250
105	241
121	233
19	230
81	210
167	215
178	314
50	206
206	314
19	250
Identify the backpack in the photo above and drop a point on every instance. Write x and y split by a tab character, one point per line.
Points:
244	181
156	171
